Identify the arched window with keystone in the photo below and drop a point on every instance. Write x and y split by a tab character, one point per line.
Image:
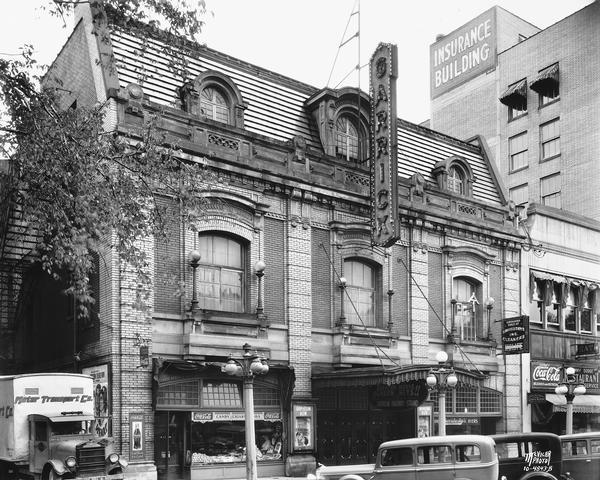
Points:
213	95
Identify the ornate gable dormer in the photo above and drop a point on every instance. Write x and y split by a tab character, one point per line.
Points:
343	129
454	175
215	96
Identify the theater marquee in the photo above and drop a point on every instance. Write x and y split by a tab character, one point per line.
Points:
384	145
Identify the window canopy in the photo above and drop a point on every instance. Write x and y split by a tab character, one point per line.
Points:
515	96
546	81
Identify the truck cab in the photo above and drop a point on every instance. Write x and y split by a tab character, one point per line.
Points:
64	446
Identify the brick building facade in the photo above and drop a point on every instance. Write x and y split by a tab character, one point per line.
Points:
536	102
350	329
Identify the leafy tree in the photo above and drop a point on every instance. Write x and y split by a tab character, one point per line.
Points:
76	187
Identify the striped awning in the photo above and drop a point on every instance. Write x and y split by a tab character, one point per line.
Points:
581	403
546	80
515	96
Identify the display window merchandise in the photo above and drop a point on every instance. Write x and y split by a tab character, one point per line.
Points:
200	423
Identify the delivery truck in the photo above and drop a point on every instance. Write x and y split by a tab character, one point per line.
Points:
46	430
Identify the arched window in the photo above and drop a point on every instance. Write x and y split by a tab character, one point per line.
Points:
346	139
213	105
456	180
466	313
454	175
221	273
359	301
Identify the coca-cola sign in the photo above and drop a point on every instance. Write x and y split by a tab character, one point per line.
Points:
546	376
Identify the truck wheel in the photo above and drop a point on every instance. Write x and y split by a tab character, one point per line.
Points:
50	474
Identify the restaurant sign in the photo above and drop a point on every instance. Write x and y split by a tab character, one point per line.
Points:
515	335
546	376
384	145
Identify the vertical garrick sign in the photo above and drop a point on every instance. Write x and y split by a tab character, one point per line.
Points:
384	145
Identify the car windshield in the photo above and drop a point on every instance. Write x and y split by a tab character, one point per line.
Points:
71	428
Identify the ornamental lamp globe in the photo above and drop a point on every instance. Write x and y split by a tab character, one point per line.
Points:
579	390
256	366
561	389
231	368
441	357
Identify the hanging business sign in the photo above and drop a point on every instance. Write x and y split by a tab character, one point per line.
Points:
384	145
463	54
515	335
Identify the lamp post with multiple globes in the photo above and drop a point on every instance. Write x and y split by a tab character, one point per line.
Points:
247	367
570	388
442	379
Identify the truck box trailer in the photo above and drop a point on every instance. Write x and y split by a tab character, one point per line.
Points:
46	430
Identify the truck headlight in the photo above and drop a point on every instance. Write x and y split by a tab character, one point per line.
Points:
71	462
113	458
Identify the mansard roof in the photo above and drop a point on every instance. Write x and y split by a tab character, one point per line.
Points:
276	106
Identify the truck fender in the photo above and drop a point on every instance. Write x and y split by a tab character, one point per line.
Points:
118	467
56	465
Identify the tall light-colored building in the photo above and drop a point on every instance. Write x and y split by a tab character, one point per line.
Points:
534	95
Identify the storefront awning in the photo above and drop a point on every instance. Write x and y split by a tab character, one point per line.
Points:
356	377
167	371
547	80
581	403
562	279
516	96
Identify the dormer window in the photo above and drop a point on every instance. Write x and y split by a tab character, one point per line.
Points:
454	175
346	139
456	180
342	117
214	96
213	105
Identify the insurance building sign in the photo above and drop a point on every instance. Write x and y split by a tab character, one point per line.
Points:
384	145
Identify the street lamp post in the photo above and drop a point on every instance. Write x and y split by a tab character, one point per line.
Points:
194	260
570	388
343	284
489	304
247	367
259	271
442	378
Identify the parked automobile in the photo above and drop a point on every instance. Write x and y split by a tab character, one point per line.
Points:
581	455
465	457
529	456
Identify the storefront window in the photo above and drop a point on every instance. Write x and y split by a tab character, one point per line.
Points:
224	441
221	394
570	312
179	394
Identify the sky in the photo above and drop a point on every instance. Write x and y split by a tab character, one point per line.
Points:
300	38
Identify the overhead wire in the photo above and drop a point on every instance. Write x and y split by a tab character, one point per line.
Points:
378	349
456	345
